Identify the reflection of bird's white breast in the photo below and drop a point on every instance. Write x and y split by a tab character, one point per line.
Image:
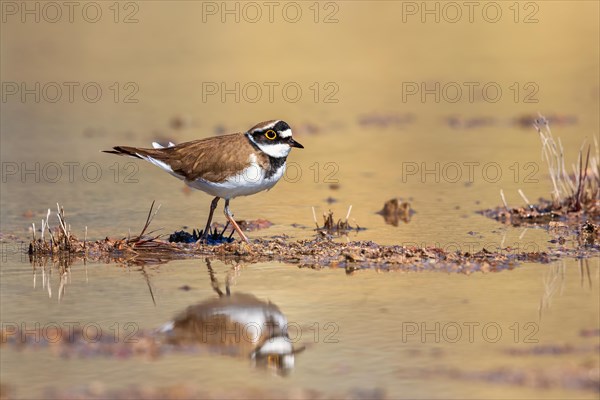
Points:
255	321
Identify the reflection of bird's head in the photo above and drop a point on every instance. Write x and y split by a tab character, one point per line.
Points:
276	353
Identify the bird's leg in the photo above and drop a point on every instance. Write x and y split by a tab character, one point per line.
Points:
213	279
206	232
229	217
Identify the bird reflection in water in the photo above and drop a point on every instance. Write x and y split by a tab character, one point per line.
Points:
237	324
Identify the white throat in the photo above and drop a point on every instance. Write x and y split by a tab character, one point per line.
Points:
275	150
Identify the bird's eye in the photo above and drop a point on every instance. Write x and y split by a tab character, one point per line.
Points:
270	134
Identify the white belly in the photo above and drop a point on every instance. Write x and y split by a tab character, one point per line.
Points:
251	180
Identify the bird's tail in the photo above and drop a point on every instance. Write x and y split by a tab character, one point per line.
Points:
134	152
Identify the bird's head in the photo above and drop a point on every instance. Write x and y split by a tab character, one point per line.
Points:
274	138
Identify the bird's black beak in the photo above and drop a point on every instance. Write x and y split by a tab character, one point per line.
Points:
293	143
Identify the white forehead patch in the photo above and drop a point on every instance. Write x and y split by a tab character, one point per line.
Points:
285	134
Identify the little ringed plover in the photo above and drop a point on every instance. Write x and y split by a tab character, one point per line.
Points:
228	166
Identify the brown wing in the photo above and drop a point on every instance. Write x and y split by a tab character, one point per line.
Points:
212	159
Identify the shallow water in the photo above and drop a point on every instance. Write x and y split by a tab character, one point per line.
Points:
369	54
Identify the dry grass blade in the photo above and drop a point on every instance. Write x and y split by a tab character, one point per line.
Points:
582	179
504	200
525	198
138	239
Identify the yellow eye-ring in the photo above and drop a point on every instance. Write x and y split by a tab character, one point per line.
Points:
270	134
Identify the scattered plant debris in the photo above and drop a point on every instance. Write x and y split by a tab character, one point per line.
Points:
458	122
148	248
98	391
330	227
331	200
28	214
379	120
567	376
396	210
560	373
60	242
553	349
591	332
589	234
575	197
524	121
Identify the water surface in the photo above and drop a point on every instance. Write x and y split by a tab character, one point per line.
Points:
369	54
